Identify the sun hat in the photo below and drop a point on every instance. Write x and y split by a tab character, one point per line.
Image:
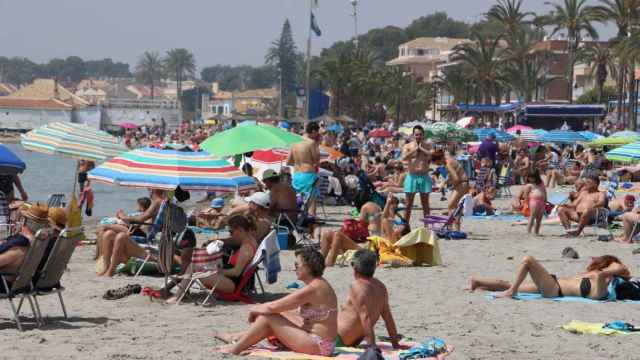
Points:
37	212
261	199
57	217
217	203
269	174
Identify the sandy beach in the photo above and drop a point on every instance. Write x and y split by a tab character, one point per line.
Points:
426	301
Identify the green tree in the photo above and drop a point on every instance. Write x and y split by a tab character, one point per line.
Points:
576	18
624	14
509	14
149	69
179	64
282	55
438	24
602	63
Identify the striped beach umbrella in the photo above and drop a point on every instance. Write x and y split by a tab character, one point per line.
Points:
562	137
446	132
613	141
514	129
626	153
532	135
500	135
74	140
625	133
590	136
167	169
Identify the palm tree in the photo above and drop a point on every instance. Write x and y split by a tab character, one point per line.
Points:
455	81
482	57
179	63
575	17
509	14
625	14
149	69
602	62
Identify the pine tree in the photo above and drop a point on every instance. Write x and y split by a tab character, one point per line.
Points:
282	55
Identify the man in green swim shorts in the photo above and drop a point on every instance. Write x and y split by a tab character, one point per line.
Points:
417	155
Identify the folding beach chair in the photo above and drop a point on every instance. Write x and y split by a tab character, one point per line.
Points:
505	180
441	224
56	200
203	265
23	285
48	280
244	288
303	226
601	221
323	191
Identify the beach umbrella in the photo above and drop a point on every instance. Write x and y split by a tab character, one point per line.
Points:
532	135
562	137
129	126
613	141
247	123
380	133
625	133
626	153
513	129
467	121
445	132
329	153
500	135
590	136
168	169
244	139
74	140
10	163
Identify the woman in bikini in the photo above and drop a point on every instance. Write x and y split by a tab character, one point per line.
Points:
591	284
536	194
310	330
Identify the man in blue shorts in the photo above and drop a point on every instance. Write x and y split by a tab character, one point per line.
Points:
305	158
417	155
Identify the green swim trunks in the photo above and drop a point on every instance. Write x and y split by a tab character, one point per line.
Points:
339	342
414	183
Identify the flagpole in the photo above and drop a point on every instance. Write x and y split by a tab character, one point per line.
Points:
308	75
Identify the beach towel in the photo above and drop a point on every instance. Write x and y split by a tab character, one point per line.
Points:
388	253
531	296
421	246
500	217
347	353
586	328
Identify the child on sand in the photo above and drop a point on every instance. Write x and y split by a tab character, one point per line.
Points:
536	194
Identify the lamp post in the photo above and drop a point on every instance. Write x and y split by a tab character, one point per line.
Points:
354	3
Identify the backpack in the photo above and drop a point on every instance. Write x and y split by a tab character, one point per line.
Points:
178	218
628	290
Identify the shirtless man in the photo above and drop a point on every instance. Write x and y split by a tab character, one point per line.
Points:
521	166
368	301
305	159
417	155
583	209
282	195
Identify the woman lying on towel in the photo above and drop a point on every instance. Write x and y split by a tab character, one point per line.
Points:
591	284
310	330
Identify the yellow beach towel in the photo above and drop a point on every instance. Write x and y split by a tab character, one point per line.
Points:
581	327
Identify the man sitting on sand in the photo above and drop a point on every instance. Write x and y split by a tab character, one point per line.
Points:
584	209
282	196
368	300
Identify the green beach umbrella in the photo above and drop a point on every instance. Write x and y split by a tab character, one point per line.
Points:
445	132
627	153
613	141
244	139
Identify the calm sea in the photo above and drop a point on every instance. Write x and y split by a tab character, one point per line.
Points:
48	174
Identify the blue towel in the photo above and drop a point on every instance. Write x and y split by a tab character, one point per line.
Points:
501	217
530	296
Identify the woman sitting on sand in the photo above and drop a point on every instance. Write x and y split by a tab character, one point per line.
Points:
310	330
591	284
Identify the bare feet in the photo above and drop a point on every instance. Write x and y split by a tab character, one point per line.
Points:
227	349
573	233
505	294
473	285
227	338
621	239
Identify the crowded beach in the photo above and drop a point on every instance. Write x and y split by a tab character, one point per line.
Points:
325	249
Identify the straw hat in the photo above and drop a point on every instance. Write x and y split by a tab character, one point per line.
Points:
36	212
57	217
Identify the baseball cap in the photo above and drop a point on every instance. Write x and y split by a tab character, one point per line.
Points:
261	199
217	203
629	198
269	174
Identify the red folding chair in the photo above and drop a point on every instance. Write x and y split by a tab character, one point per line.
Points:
240	292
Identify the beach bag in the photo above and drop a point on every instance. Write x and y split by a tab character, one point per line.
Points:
453	235
356	230
178	218
202	261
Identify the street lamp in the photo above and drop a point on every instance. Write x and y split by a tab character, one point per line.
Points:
354	3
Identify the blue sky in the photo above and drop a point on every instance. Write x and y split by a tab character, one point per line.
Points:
217	31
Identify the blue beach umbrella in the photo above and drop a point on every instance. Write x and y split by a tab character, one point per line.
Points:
500	135
562	137
590	135
625	133
336	128
10	163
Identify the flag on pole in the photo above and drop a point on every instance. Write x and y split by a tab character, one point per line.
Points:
314	25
